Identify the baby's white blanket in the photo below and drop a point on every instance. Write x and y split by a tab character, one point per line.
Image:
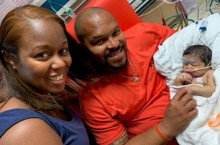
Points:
168	63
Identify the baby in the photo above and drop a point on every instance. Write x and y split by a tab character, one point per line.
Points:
197	74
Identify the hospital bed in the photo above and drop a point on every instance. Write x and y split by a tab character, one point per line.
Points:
168	62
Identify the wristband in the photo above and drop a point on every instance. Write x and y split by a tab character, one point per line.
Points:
160	134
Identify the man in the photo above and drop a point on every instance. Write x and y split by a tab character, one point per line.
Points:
128	101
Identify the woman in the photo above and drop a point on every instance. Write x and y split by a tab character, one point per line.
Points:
35	61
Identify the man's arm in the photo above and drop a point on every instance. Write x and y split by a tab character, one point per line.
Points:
148	137
179	113
121	140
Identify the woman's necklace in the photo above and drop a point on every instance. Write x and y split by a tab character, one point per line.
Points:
133	77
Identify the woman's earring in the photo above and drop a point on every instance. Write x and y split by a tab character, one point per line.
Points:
14	67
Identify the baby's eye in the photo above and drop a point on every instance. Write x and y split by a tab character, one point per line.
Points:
188	61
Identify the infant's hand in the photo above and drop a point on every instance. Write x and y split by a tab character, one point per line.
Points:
186	78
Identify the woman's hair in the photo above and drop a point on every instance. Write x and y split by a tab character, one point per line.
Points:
16	24
83	63
201	51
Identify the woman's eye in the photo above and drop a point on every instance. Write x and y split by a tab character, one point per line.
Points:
65	51
42	56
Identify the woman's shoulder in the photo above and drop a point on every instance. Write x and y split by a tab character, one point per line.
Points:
12	103
9	118
20	125
31	131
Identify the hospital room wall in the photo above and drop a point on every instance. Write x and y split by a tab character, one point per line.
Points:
160	11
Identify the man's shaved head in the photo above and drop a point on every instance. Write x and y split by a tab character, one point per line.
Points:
88	18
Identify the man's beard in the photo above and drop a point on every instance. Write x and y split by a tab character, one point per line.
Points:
106	67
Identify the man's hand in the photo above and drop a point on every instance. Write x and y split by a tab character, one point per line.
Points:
179	113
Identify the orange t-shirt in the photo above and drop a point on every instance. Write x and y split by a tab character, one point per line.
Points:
117	103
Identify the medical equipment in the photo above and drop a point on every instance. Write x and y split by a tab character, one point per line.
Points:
198	69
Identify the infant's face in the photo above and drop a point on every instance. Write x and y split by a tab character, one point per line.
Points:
192	64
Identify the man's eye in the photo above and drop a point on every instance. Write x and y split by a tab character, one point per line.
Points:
99	42
116	32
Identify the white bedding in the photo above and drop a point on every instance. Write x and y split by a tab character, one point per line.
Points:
168	63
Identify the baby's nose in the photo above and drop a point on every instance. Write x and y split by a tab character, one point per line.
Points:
188	67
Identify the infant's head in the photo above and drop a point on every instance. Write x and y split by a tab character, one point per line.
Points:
195	59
